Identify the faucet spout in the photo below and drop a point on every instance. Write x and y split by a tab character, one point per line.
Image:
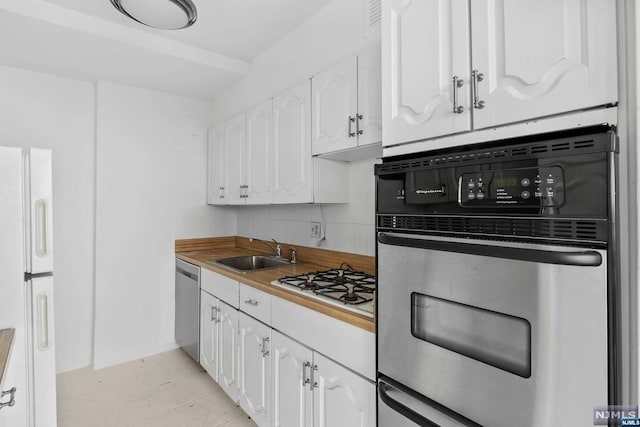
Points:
276	248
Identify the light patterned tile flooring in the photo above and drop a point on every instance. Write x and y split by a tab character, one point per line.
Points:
165	390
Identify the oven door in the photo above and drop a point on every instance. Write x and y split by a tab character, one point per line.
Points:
500	333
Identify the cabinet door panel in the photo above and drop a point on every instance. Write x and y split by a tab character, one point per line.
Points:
208	335
334	95
342	398
370	96
216	165
292	140
259	160
255	370
530	70
425	43
228	350
292	399
235	135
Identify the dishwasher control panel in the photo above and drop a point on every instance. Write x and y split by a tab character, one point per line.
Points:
527	187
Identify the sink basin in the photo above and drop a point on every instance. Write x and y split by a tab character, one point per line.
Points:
249	262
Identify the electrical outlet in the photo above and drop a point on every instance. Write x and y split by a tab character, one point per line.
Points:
316	230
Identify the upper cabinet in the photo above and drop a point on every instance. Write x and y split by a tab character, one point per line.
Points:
347	106
259	159
292	145
217	165
264	156
451	66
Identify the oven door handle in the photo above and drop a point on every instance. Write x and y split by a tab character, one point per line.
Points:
450	419
577	258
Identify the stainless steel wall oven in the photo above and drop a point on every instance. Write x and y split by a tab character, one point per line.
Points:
497	291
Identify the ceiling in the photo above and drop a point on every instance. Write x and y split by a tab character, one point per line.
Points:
91	40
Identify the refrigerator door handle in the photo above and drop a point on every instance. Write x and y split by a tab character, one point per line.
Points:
41	228
42	303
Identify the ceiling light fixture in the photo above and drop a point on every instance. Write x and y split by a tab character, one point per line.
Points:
165	15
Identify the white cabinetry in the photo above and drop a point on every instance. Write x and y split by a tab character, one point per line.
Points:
259	158
219	330
520	70
311	390
217	165
347	109
209	334
235	131
255	370
292	395
264	156
276	380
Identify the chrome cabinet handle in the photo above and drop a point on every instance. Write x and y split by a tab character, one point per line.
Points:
313	384
305	379
351	132
358	130
265	340
475	78
221	193
215	317
12	399
457	83
243	191
252	302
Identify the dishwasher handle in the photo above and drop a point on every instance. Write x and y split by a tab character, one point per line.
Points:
577	258
186	273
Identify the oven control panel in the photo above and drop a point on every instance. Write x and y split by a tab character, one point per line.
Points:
528	187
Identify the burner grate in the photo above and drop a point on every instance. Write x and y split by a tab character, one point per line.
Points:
342	284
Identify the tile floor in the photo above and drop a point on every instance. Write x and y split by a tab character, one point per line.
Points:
165	390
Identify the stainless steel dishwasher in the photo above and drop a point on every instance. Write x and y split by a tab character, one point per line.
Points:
187	330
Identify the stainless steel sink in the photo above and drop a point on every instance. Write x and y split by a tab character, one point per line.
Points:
249	262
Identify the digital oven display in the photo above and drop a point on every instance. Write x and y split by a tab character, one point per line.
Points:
527	187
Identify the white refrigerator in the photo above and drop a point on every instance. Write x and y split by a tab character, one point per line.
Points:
26	287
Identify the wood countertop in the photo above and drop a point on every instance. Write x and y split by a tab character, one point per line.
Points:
262	279
6	340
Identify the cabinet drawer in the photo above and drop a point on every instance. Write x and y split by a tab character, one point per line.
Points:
348	345
255	303
220	286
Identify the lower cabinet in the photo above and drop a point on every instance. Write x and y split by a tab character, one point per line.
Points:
255	370
311	390
219	342
276	380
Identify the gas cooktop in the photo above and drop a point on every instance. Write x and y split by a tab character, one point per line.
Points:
343	286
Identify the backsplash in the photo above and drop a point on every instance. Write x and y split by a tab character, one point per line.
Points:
347	227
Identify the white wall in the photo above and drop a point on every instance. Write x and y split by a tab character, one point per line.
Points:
151	177
39	110
334	33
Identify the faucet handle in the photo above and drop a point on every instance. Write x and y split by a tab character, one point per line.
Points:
293	255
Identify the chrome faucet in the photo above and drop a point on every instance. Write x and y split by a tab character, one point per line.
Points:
275	248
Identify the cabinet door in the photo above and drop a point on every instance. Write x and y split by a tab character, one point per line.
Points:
334	95
235	136
425	43
292	141
255	370
208	334
228	350
216	165
341	397
292	395
369	123
259	156
529	70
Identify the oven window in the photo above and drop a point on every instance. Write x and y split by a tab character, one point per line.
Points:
494	338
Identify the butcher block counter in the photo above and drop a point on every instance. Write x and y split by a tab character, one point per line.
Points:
199	251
